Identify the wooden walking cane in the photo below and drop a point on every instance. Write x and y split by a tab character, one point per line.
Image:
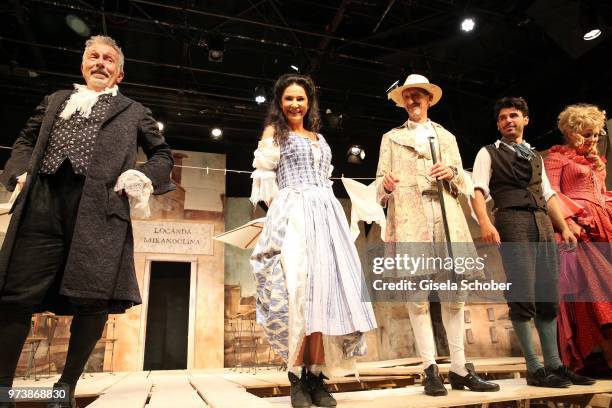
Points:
449	244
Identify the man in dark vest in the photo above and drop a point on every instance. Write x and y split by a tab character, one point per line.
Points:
69	246
525	204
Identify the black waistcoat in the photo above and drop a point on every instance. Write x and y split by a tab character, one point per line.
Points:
515	182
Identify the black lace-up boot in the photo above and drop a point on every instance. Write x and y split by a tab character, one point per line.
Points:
300	394
319	392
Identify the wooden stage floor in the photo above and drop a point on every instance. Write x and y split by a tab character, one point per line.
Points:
388	384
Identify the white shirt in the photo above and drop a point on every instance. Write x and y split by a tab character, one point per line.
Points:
422	133
482	172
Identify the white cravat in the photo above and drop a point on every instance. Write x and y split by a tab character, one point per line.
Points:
83	100
422	132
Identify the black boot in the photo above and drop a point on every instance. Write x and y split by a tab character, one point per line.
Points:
544	378
319	392
433	382
300	395
65	394
576	379
472	381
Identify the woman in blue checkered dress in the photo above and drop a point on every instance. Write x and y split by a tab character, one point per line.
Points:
311	297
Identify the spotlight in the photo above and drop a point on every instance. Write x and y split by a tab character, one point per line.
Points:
589	23
216	133
468	24
260	95
295	68
334	120
160	125
355	154
591	35
216	47
77	25
215	55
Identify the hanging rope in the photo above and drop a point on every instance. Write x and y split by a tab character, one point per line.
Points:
225	171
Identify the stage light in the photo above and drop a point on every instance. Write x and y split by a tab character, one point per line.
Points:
215	55
468	24
589	23
295	68
215	45
260	95
77	25
334	120
591	35
160	125
216	133
355	154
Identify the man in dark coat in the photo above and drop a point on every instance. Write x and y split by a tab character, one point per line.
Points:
69	246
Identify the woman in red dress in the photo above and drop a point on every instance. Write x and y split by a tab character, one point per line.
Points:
578	173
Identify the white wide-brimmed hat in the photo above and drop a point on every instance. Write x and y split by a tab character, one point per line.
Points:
415	81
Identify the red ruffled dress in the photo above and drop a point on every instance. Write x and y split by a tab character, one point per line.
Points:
585	274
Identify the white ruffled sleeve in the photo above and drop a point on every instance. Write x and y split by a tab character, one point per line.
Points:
265	161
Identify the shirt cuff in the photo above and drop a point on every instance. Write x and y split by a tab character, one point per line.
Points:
484	188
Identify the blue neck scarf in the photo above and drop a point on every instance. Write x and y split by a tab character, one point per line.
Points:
522	150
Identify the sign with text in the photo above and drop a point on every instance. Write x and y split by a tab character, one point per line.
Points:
173	237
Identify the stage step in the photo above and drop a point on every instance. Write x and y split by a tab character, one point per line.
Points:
512	391
228	388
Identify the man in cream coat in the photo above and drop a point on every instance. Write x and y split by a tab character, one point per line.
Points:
407	186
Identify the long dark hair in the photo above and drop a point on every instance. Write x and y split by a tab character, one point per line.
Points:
276	118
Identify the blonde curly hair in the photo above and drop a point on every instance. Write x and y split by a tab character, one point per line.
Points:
579	117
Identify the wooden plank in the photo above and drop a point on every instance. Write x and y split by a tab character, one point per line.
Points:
601	400
498	360
131	392
168	373
408	361
280	379
444	369
412	365
413	397
92	385
218	392
174	391
196	372
247	380
390	363
98	383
